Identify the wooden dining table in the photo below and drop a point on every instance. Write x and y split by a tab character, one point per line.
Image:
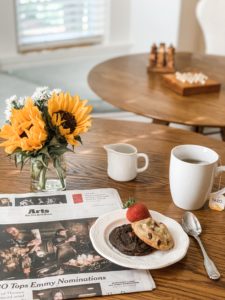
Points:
87	169
125	83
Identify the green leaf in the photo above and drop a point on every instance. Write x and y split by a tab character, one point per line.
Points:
15	160
22	163
53	142
130	202
78	138
58	150
21	158
44	151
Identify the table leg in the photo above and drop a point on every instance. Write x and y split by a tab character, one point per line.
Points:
155	121
199	129
223	133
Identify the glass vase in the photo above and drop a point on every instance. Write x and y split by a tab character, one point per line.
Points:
48	174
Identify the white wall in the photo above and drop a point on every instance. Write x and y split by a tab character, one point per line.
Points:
120	21
7	29
154	21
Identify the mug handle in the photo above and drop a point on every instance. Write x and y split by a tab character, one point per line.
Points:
219	170
139	170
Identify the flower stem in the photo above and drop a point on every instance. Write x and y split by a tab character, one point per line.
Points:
59	171
42	179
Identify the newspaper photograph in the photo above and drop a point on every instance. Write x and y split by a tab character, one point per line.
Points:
46	252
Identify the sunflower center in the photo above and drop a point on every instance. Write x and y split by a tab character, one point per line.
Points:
23	134
68	120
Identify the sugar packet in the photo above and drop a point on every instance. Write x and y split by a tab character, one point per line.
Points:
217	201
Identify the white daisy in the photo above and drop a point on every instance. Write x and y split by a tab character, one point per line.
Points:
41	94
56	91
9	101
21	101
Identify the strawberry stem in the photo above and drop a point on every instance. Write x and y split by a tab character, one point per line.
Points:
130	202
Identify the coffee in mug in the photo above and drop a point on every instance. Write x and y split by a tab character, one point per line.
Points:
193	161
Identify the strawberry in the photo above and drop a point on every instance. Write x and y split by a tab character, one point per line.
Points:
136	211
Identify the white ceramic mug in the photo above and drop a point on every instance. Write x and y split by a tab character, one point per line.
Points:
123	161
192	172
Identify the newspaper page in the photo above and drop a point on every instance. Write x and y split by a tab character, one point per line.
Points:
46	252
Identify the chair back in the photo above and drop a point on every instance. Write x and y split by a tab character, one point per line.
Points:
211	16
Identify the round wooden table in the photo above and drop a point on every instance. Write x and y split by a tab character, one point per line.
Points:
186	279
125	83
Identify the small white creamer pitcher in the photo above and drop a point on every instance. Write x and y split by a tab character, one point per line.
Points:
123	161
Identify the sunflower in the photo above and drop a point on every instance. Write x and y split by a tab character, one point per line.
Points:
26	130
70	115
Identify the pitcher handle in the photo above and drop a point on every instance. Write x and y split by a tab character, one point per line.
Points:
139	170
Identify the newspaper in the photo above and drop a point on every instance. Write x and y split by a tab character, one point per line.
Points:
46	252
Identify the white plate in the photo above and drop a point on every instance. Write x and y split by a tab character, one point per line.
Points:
99	234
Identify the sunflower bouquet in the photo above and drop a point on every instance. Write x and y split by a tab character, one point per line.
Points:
41	128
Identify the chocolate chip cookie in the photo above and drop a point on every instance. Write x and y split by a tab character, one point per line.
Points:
153	233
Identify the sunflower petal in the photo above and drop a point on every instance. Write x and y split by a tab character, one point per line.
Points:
20	133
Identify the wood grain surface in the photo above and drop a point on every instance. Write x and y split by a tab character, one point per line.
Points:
125	83
186	279
187	89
